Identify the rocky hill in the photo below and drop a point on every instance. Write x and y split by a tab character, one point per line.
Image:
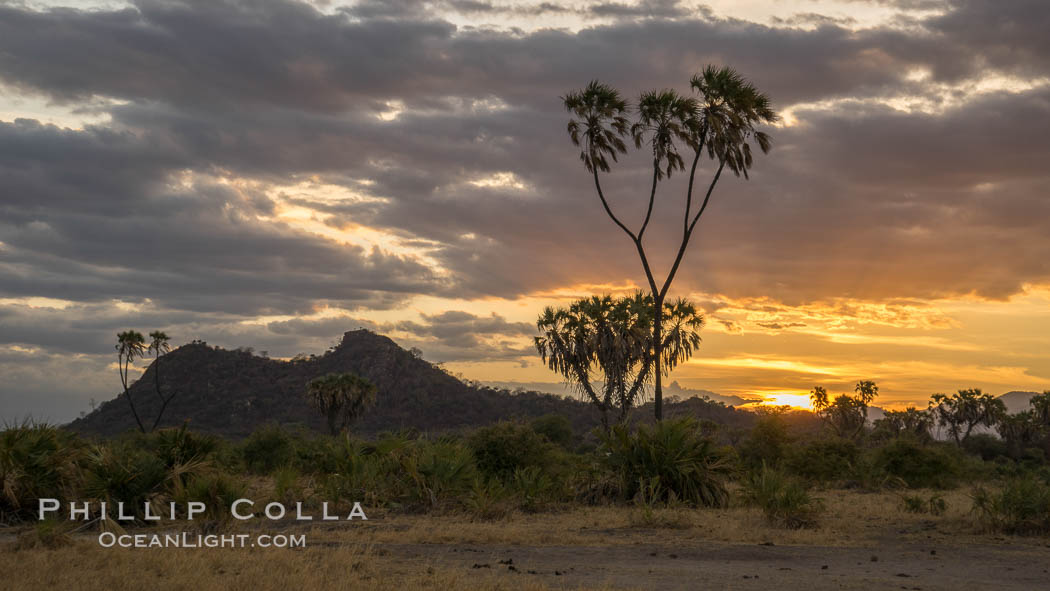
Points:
231	393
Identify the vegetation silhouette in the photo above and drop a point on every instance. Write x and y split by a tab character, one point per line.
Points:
719	123
341	398
604	347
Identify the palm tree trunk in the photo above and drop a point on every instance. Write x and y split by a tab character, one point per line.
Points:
127	396
658	346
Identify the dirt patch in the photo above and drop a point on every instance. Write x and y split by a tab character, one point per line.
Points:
737	566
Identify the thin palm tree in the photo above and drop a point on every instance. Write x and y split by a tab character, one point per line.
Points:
130	345
159	346
341	398
719	123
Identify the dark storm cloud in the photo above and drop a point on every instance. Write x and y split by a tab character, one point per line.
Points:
276	91
286	54
463	336
462	329
650	8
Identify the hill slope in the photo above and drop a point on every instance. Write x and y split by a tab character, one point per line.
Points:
231	393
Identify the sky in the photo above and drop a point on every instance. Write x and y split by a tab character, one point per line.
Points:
273	173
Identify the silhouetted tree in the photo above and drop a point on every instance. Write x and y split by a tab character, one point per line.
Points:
603	347
130	345
341	398
159	346
909	422
719	123
847	414
1040	404
967	409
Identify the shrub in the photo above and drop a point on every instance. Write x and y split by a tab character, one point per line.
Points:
501	449
1021	506
934	504
286	487
48	534
439	472
767	443
180	446
36	460
488	499
556	428
533	487
648	500
123	473
987	447
267	449
687	464
920	466
825	459
218	492
785	501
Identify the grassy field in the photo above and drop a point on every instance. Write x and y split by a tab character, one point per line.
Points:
863	541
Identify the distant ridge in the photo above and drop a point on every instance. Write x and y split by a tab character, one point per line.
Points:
233	392
1016	401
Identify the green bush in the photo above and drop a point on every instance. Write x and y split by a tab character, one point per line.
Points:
180	446
921	466
122	473
267	449
534	487
1021	506
217	491
824	460
36	460
987	447
501	449
440	472
767	443
687	464
784	500
286	485
488	499
556	428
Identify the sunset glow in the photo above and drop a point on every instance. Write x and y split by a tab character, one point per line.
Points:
278	198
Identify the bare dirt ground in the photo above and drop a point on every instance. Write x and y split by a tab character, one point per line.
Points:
738	566
864	541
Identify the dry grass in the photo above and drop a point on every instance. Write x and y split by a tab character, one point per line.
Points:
850	519
380	553
87	566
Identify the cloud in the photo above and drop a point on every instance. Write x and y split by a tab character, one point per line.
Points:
913	166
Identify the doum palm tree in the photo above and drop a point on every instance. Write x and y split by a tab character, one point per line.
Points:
719	123
341	398
159	346
603	347
130	345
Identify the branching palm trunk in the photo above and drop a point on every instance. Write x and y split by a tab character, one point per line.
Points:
164	400
127	393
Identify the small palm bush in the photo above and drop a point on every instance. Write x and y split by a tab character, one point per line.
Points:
217	491
122	473
36	460
488	499
785	500
438	472
688	465
1021	506
533	487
